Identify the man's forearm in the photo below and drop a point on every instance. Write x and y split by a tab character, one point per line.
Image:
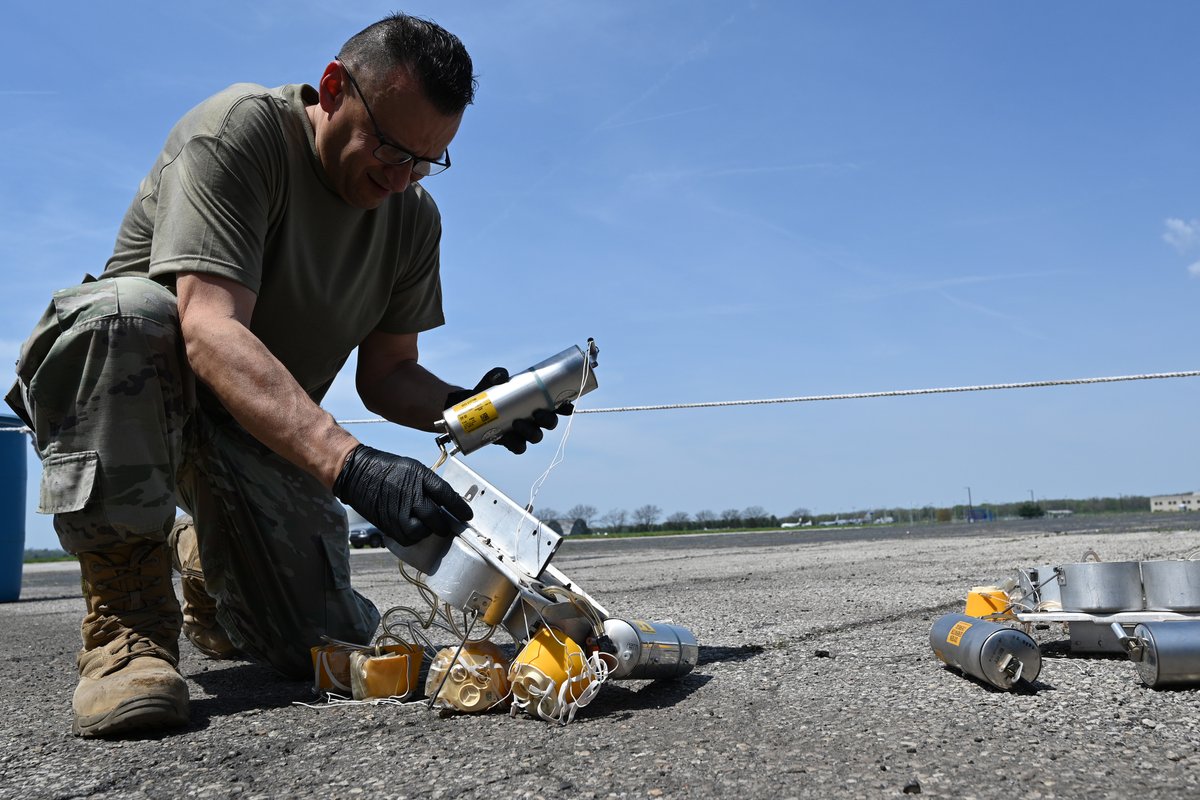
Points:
409	395
265	399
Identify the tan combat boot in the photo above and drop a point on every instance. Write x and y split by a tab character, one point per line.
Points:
200	624
128	680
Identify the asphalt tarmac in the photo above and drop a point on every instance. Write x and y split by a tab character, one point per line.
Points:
816	679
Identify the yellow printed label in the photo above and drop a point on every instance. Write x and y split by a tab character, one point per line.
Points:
646	627
956	633
475	412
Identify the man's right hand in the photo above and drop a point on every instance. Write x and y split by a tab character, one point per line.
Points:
399	495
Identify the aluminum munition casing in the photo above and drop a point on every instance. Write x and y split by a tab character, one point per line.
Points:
1169	653
989	651
486	416
651	649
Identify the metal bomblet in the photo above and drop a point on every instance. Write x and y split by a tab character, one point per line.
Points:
484	417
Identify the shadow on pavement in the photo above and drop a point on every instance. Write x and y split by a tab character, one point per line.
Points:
1026	688
241	687
715	654
619	700
1062	649
238	687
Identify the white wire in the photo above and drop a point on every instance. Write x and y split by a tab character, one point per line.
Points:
898	392
560	452
987	387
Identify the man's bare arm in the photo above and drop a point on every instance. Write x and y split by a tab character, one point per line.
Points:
250	382
392	384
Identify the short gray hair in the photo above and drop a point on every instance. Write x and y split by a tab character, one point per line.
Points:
433	55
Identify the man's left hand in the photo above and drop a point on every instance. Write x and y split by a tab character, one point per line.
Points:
523	432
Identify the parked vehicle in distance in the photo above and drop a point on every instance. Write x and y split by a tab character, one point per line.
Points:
364	534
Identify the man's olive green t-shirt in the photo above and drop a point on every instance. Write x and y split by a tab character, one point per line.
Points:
238	192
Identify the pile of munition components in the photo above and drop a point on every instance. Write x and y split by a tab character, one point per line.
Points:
494	574
1149	610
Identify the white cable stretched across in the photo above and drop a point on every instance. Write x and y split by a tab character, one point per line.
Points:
986	387
863	395
897	392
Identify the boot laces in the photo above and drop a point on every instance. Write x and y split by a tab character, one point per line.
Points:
133	611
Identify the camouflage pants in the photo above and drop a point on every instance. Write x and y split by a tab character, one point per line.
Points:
106	387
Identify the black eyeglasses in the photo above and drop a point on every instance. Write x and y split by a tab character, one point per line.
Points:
394	154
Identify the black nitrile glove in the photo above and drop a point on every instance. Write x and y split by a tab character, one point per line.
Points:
399	495
523	432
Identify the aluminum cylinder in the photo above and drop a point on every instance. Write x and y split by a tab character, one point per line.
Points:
651	649
1169	653
993	653
1172	585
459	576
1101	587
484	417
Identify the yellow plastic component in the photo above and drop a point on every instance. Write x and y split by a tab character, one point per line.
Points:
550	659
331	667
476	681
988	601
392	670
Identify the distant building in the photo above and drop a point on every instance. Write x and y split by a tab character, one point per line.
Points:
1059	512
1176	502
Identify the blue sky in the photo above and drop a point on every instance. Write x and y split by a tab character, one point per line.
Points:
737	200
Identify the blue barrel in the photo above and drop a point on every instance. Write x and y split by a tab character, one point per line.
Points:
13	450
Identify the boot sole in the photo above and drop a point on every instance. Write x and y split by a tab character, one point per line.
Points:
135	714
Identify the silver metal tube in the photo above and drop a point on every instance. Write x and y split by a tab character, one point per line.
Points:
1166	653
483	418
651	649
993	653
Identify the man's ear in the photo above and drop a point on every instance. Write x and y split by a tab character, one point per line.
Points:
332	87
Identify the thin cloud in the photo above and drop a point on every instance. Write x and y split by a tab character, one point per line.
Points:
663	178
807	250
656	118
698	51
1194	270
1182	234
725	310
961	280
1016	323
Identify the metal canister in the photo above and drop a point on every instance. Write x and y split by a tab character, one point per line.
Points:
1165	653
1101	587
1172	585
651	649
484	417
989	651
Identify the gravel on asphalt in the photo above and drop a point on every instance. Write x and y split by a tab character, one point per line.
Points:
815	679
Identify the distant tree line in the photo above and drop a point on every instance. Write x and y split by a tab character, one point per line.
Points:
651	518
585	519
